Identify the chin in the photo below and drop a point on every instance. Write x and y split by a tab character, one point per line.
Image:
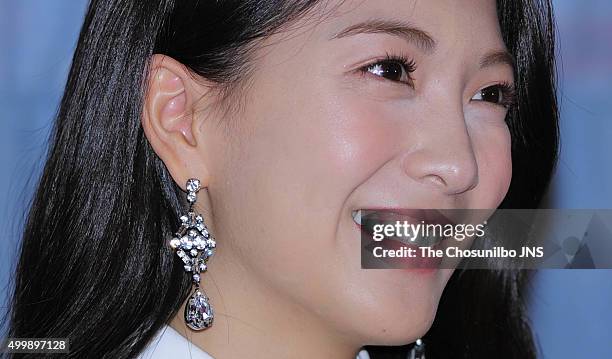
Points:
396	308
402	326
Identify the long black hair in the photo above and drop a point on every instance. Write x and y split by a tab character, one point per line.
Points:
94	265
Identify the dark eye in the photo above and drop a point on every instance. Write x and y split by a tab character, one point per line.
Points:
499	94
396	69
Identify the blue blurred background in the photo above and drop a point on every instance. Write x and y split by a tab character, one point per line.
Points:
570	309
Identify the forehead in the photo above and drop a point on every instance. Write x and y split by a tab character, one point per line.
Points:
469	24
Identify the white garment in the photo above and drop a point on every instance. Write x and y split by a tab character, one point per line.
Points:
169	343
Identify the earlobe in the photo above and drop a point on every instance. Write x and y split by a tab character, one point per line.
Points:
168	118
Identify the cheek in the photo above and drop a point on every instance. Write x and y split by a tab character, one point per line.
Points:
287	175
493	151
325	144
354	139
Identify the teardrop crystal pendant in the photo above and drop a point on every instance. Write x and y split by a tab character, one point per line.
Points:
194	246
198	312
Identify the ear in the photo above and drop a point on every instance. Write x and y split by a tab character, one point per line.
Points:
169	120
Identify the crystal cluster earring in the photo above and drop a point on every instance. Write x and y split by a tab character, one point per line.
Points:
418	350
194	245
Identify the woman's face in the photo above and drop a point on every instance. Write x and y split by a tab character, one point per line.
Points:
377	104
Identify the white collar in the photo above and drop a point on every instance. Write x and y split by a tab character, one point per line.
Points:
168	343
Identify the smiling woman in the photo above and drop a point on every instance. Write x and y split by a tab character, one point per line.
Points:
280	119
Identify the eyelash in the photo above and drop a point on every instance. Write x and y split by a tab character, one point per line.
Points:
508	91
408	65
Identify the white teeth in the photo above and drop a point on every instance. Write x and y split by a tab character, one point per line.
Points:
357	217
426	241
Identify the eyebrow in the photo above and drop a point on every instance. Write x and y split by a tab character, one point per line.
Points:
502	57
410	33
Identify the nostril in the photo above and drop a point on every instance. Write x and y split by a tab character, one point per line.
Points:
462	179
436	180
452	180
451	172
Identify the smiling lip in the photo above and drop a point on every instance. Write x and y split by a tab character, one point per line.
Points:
417	263
433	216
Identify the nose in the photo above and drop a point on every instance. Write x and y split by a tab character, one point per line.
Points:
444	158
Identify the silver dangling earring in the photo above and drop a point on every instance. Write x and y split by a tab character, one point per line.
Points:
418	350
195	245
